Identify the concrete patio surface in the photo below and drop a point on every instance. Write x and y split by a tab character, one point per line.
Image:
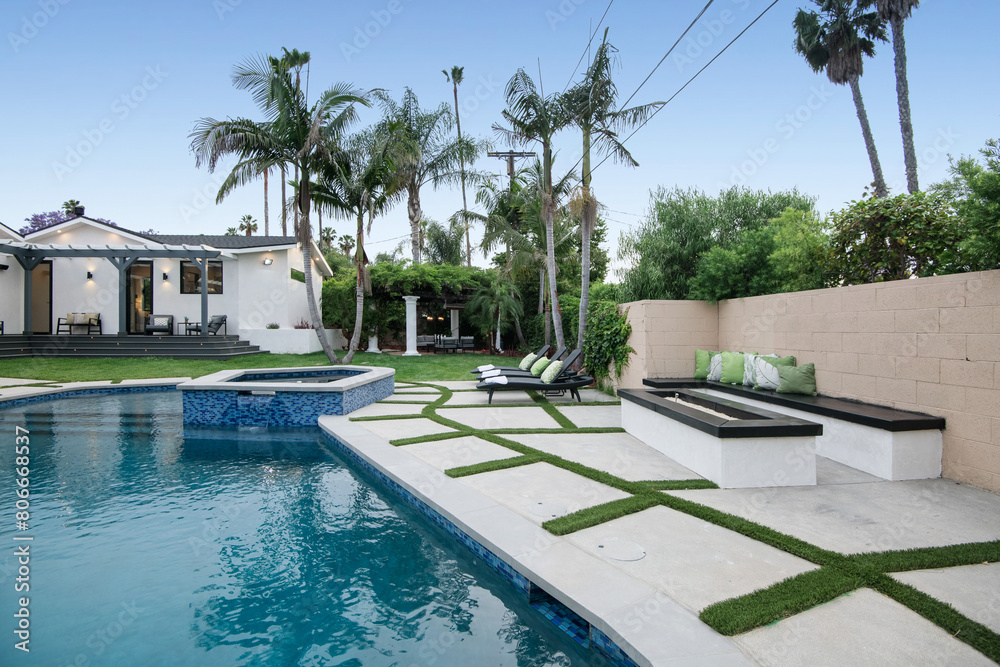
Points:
495	417
617	453
593	416
481	397
973	590
406	428
456	452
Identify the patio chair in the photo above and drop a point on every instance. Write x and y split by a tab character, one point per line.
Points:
92	322
488	367
564	381
568	361
160	324
214	324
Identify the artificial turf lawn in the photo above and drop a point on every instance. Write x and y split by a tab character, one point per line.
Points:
838	574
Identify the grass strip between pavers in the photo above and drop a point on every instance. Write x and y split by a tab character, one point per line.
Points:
431	437
551	410
384	418
679	484
491	466
783	599
838	574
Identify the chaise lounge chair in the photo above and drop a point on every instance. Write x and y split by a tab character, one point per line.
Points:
488	367
568	360
564	381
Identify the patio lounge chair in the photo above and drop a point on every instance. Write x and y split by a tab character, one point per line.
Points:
215	323
563	382
568	361
160	324
488	367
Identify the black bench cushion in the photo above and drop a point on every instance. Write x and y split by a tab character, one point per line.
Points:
886	419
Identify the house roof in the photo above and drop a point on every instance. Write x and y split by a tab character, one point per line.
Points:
9	233
121	231
224	242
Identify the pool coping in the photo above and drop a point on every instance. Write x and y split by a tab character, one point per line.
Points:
645	624
223	380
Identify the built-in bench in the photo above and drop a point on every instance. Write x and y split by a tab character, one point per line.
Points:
891	444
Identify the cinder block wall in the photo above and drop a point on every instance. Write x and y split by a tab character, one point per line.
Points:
930	345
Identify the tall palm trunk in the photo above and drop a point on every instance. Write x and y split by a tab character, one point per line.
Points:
414	212
359	290
267	218
903	99
588	216
548	211
284	211
881	190
296	210
307	272
465	206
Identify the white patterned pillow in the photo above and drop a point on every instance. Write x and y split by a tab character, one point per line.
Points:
749	369
551	371
527	361
766	374
715	368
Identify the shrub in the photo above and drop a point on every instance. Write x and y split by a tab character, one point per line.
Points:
606	345
272	325
302	324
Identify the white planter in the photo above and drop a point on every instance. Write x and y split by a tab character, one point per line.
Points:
291	341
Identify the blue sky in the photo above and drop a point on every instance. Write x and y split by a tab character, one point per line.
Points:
103	94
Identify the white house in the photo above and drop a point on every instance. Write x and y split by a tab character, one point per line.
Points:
250	279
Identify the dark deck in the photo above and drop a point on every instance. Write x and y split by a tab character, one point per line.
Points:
111	345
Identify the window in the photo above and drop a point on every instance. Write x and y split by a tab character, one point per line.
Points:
191	277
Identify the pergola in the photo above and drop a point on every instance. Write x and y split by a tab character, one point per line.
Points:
30	255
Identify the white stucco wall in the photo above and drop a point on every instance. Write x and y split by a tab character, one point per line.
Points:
11	291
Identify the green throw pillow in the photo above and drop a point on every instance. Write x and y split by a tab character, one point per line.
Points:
551	371
527	361
732	368
539	366
766	371
701	358
797	380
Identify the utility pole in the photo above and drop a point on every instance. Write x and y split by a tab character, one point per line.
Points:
510	155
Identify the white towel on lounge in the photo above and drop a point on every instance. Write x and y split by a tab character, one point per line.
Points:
490	374
487	367
496	379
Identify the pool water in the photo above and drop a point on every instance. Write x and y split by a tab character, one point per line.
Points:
238	547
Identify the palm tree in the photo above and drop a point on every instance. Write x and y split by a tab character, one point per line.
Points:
293	134
443	245
247	224
284	211
69	207
232	231
430	155
895	12
267	216
326	238
592	105
836	40
532	117
494	305
361	182
346	244
455	78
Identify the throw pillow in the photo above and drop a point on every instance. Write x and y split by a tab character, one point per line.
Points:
715	367
766	371
701	359
749	370
797	380
539	366
732	368
527	361
551	371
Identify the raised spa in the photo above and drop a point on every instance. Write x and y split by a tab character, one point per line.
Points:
282	396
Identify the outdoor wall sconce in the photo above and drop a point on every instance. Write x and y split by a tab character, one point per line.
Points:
165	276
90	275
268	261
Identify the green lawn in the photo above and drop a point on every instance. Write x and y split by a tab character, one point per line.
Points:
408	369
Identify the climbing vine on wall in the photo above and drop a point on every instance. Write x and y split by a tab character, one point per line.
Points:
607	345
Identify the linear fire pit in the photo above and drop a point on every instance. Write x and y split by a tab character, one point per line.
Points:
731	444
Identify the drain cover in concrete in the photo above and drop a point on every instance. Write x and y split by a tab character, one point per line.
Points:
618	548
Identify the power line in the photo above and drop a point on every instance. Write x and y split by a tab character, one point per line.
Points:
587	48
681	89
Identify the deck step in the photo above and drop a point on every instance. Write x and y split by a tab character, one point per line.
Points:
179	347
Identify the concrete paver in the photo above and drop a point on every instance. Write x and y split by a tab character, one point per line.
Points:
455	384
387	409
405	428
14	382
593	416
540	491
973	590
617	453
494	417
456	452
417	390
481	398
854	518
413	398
862	628
694	562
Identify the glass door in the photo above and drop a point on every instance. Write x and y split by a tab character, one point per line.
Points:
41	298
139	297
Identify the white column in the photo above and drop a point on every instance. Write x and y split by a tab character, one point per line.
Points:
373	345
454	323
411	326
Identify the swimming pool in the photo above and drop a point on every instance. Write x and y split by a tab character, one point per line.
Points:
252	546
